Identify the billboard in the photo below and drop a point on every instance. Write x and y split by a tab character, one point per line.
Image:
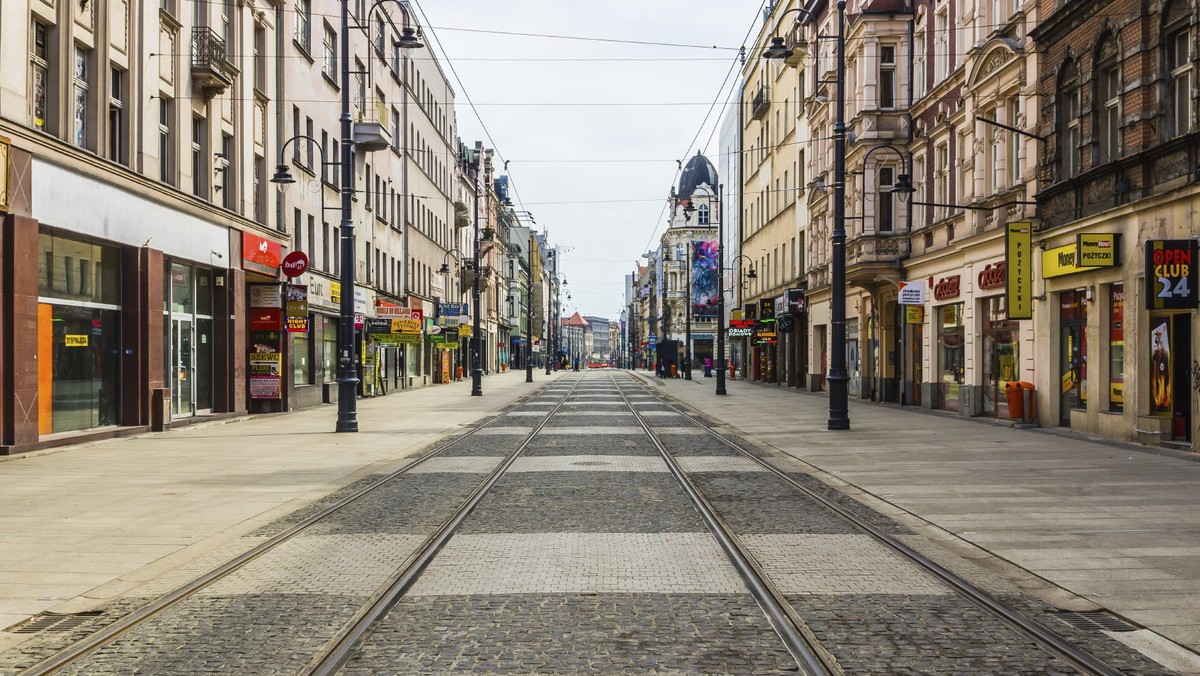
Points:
704	279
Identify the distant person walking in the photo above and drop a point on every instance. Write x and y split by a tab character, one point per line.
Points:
708	367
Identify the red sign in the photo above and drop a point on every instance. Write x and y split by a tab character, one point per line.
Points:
994	275
947	287
295	264
260	254
266	318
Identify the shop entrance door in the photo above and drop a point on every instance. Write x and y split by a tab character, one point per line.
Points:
1073	366
1181	427
183	395
1171	372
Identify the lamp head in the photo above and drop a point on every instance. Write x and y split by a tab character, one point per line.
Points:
752	274
776	50
688	211
903	187
408	40
283	178
445	269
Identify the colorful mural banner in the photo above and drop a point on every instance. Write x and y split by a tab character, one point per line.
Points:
704	278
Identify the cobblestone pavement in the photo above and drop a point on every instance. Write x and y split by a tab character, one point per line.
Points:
586	557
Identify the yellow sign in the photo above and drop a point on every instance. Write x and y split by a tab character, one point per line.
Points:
406	326
464	329
1068	381
1060	261
335	292
1018	260
1098	250
914	314
76	340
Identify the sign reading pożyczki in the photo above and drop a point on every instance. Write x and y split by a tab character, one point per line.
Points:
1018	263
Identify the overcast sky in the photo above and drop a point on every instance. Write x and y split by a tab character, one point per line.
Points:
592	128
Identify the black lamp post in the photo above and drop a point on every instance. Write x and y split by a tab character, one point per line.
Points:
476	358
720	293
529	315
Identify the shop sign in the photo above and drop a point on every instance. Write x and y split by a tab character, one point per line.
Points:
77	340
1098	250
766	310
702	336
1060	261
296	307
464	330
797	301
377	325
786	323
1018	270
265	377
914	314
911	293
750	312
266	319
260	254
335	292
398	338
993	275
740	332
741	323
294	264
360	300
406	325
947	287
1171	277
736	315
437	338
266	295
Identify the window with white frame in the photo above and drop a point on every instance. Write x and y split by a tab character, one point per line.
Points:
199	140
918	195
1179	61
1014	141
1108	110
918	74
116	117
994	168
166	140
887	76
302	31
1069	134
329	53
941	180
941	45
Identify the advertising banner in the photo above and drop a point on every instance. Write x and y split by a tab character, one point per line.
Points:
704	279
296	307
265	380
260	255
912	293
1171	277
1018	263
1098	250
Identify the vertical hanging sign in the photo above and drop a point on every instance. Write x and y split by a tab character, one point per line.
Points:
1018	259
1171	276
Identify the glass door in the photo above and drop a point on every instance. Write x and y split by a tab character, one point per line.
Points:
183	389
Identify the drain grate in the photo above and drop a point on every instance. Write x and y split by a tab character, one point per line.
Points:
1095	621
60	622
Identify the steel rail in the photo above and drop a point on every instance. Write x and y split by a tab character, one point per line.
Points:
342	648
811	658
1045	637
87	646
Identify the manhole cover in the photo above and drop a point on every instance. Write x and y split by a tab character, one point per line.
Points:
1095	621
53	622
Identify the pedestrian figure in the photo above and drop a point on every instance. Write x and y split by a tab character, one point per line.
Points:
708	367
576	363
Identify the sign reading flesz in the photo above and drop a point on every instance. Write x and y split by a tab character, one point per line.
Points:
1171	276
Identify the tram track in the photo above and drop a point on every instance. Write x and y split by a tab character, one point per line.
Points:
1044	637
79	651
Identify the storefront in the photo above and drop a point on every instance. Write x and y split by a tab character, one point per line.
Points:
1072	353
1172	285
1001	355
950	355
79	334
188	338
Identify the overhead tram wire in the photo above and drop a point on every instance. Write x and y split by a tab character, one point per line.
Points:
687	153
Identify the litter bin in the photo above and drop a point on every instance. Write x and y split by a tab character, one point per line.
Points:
1029	399
1016	403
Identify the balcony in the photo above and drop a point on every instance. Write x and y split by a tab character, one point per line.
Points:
871	259
210	67
761	102
370	125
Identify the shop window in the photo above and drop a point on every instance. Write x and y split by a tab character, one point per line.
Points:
328	349
1116	347
302	360
1072	353
1001	352
76	270
81	113
951	355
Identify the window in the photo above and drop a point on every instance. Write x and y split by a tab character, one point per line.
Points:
116	117
380	37
941	46
941	180
702	217
1069	135
1108	86
1179	60
308	145
886	201
1014	141
918	195
39	64
918	74
167	6
329	54
887	76
199	134
395	128
324	248
302	35
166	141
260	201
260	58
80	130
993	167
227	168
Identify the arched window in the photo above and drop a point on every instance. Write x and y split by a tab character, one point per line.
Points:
1108	99
1177	43
1068	130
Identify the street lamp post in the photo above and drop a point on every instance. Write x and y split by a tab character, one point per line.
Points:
476	358
720	293
529	315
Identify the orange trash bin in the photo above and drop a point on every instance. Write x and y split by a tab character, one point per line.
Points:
1016	403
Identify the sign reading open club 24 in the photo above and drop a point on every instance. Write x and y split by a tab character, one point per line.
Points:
1171	276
